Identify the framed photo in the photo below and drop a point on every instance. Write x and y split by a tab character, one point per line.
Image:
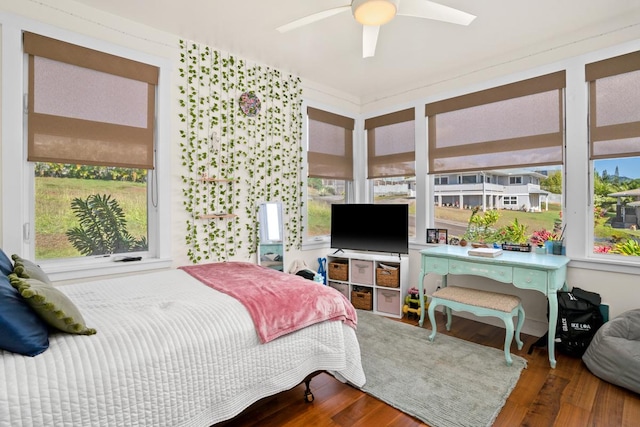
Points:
432	235
443	236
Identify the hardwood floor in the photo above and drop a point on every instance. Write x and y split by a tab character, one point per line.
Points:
567	396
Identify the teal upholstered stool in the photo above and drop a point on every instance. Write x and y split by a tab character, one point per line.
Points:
480	303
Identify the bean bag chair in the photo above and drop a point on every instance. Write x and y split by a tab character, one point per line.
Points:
614	353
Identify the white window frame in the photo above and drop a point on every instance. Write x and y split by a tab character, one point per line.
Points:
509	200
474	176
515	180
350	189
18	226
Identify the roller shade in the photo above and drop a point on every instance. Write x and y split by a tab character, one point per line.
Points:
614	106
88	107
330	151
391	144
514	125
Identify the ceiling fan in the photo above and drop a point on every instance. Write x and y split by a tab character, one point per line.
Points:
374	13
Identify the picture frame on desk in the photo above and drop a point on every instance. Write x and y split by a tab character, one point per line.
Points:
437	236
443	236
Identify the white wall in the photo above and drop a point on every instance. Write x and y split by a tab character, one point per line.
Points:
617	284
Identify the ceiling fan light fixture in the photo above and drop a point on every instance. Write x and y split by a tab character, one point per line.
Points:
374	12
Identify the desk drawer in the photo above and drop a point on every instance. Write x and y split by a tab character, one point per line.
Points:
436	265
495	272
530	279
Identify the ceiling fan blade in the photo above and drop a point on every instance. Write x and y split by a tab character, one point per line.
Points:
430	10
369	40
312	18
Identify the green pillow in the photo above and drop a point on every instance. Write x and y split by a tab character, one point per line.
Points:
29	269
53	306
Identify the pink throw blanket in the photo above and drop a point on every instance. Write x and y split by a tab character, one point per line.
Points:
278	303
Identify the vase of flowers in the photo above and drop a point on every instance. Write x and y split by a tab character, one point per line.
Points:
544	238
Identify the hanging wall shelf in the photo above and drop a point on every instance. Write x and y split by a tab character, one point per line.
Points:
211	216
221	180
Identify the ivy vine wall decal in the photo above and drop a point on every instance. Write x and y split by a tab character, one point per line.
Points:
233	161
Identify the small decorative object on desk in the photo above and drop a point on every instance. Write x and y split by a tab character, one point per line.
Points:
557	247
485	252
437	236
517	247
479	245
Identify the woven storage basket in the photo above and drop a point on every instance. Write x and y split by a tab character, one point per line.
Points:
388	278
338	271
362	300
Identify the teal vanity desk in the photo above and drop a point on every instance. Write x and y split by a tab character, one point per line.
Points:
525	270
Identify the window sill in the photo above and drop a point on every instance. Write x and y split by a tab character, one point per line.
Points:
609	265
84	269
316	243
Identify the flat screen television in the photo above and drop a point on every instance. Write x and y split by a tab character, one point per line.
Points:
370	227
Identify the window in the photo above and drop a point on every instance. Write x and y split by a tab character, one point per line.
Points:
507	135
441	180
510	200
66	193
330	172
614	136
90	139
391	160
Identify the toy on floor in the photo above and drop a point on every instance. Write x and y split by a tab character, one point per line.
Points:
411	305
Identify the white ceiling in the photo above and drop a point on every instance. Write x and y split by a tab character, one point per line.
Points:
411	52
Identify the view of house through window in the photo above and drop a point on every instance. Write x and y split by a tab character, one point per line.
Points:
496	159
491	207
398	190
89	210
616	201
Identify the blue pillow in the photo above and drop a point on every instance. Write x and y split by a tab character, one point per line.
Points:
21	329
6	266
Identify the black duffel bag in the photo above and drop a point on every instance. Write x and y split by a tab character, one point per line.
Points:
579	318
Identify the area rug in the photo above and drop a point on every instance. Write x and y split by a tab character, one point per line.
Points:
445	383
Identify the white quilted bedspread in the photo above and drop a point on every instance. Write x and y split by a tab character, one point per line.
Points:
169	351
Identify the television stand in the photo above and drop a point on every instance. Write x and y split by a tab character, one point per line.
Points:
371	281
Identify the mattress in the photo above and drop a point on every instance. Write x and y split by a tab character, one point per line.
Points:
169	351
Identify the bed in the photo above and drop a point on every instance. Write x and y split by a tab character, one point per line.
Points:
170	350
